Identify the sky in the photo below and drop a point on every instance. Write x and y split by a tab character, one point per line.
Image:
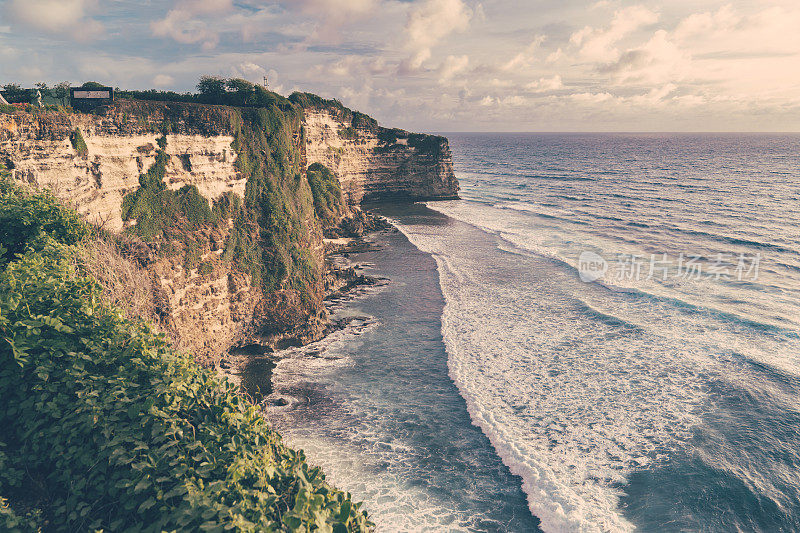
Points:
441	65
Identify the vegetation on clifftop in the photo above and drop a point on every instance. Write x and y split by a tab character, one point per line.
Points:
312	101
106	427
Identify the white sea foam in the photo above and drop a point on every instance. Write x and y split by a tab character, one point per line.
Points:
570	405
578	385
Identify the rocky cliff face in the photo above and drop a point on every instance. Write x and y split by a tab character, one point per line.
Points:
205	296
378	164
38	150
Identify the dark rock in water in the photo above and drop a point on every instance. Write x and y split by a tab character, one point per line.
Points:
279	402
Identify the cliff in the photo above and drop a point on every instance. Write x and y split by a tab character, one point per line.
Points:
373	163
214	203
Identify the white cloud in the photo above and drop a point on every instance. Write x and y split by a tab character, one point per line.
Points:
184	25
163	80
251	72
430	22
546	84
591	98
655	96
599	44
526	57
707	23
451	66
65	17
331	15
659	60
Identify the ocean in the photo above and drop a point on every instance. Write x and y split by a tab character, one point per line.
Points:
602	335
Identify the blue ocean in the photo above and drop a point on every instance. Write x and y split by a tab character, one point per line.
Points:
602	335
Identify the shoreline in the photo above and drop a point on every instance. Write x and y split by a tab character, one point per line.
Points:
250	364
379	396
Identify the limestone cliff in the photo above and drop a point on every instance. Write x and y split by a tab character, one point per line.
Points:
234	274
373	163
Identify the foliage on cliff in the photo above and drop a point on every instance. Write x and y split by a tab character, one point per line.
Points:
106	427
328	202
78	143
273	233
278	201
28	219
155	208
389	139
213	90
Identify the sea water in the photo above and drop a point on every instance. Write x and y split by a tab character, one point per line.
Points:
620	316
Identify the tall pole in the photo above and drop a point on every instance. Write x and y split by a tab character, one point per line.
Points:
266	83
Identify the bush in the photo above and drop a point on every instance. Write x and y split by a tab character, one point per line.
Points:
156	208
78	143
193	205
328	202
116	431
27	218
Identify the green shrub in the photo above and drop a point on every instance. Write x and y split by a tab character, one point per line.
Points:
106	427
28	217
426	144
269	233
78	143
155	208
193	205
328	202
205	268
348	133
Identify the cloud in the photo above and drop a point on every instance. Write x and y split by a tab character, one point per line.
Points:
58	17
526	57
353	66
545	84
599	44
430	22
163	80
707	23
184	25
252	72
331	15
659	60
451	66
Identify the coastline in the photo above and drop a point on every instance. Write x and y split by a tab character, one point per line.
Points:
250	362
374	405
